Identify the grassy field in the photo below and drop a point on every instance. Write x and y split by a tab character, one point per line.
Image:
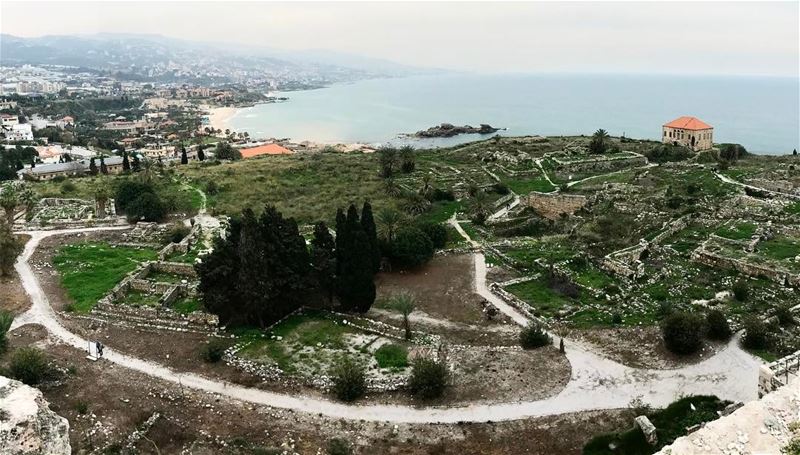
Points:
308	188
524	185
89	270
739	231
187	305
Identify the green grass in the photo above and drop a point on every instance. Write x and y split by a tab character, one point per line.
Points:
300	186
690	238
793	208
138	298
740	231
670	424
780	248
392	356
187	305
190	257
540	297
164	277
441	211
523	185
89	270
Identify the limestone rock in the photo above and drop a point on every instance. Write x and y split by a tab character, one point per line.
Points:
27	425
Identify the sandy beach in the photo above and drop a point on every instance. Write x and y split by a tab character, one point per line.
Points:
218	116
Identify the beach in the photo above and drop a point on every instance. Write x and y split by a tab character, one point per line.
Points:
218	117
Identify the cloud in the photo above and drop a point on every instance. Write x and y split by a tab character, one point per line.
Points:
671	37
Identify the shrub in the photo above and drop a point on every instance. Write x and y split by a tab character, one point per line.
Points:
213	351
717	326
411	248
428	378
338	446
211	188
442	195
6	318
129	190
146	207
784	315
30	366
500	188
349	380
436	232
176	233
682	333
392	356
67	187
616	318
756	335
533	336
741	291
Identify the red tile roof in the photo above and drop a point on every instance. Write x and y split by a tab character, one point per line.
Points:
266	149
688	123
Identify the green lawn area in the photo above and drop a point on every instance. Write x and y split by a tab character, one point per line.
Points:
187	305
670	422
164	277
441	211
392	356
190	257
589	275
793	208
524	185
89	270
739	231
540	297
552	250
689	238
138	298
780	247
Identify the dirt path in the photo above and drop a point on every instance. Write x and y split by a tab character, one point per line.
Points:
596	383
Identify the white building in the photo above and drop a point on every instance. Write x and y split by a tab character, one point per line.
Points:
19	132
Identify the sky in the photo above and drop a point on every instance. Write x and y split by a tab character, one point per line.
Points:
730	38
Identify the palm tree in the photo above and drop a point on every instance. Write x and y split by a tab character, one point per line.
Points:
415	204
481	207
405	303
598	143
28	198
427	185
391	187
389	221
102	193
9	200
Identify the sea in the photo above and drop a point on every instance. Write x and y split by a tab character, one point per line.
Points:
761	113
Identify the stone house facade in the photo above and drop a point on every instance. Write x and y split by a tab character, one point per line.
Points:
689	132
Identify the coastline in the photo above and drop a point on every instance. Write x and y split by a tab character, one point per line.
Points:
218	117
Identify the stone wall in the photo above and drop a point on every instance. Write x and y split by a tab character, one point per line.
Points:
565	170
711	259
552	205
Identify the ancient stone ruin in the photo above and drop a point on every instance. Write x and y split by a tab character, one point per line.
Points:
27	425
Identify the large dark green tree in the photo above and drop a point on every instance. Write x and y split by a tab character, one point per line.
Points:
355	269
259	273
368	224
323	261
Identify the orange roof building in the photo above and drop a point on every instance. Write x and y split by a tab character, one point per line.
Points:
266	149
689	132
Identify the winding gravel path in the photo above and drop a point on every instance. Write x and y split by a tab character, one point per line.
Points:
596	382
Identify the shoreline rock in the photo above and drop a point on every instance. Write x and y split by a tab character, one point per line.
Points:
450	130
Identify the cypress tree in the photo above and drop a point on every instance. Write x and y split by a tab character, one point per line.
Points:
136	164
126	164
103	168
201	155
33	162
184	158
356	274
323	260
368	224
92	167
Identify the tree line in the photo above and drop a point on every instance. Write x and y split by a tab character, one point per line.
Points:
261	269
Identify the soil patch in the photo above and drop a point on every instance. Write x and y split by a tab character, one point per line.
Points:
641	347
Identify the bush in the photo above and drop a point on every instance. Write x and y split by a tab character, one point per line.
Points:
30	366
392	356
176	233
338	446
682	333
349	380
211	188
533	336
129	190
442	195
428	378
616	318
411	248
67	187
213	351
741	291
717	326
756	335
146	207
500	188
6	318
436	232
784	315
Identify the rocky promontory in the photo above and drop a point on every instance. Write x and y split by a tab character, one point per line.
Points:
27	425
449	130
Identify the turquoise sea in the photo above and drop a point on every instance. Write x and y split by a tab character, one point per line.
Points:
762	113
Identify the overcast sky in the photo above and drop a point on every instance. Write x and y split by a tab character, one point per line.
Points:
691	38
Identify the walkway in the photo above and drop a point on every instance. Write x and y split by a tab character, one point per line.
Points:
596	382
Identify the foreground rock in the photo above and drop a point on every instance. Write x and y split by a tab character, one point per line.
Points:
448	130
27	425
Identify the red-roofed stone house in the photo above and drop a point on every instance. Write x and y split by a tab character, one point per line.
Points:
689	132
